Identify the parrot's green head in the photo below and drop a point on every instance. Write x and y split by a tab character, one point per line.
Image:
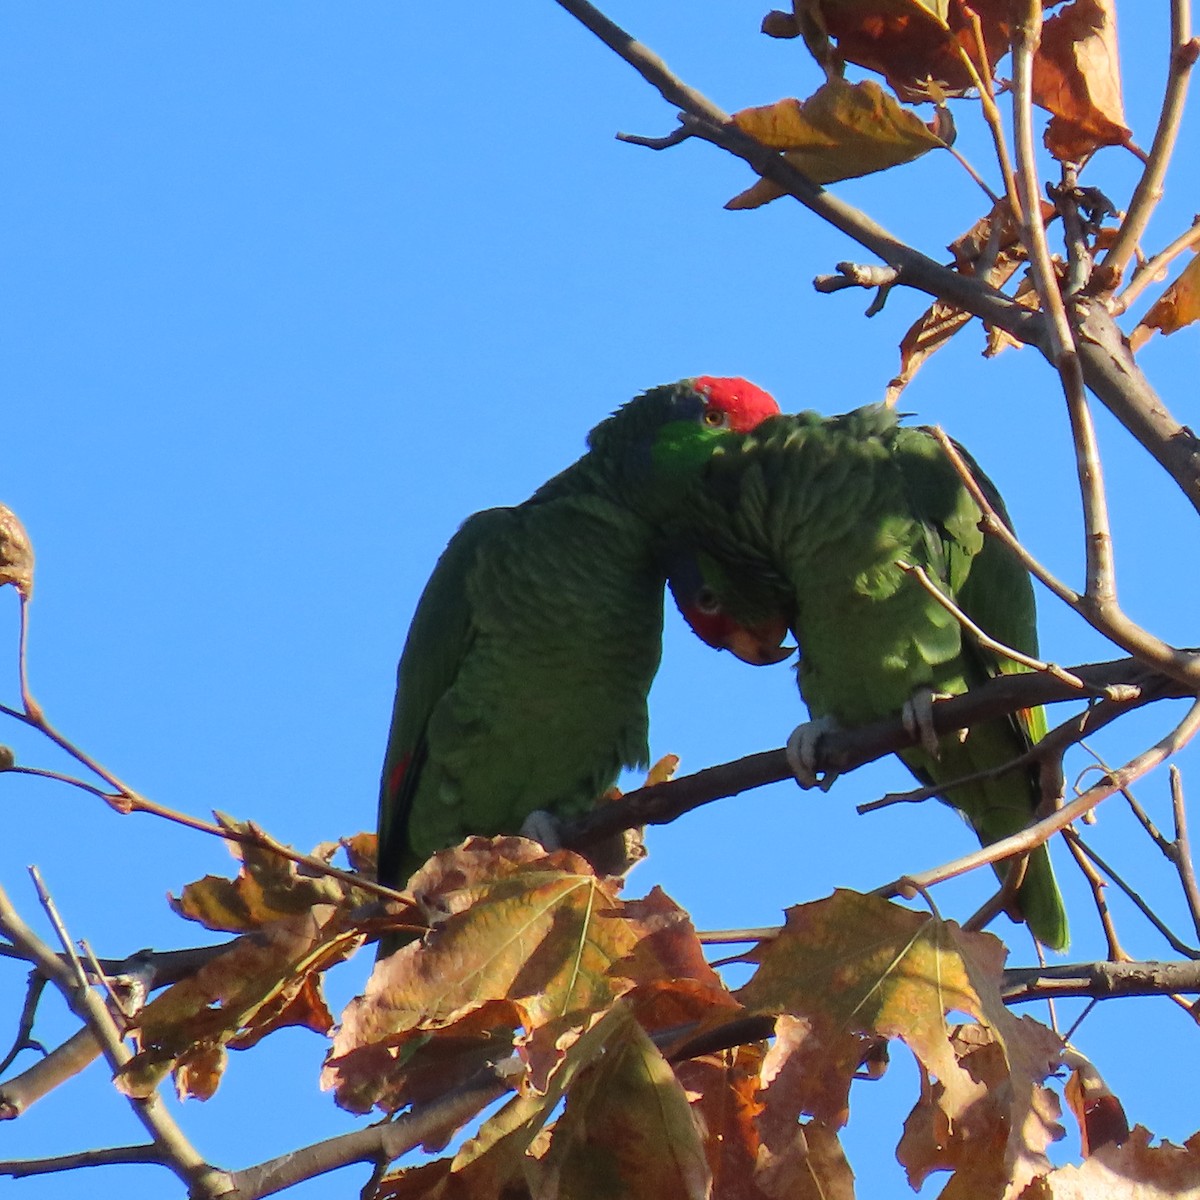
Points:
671	430
751	625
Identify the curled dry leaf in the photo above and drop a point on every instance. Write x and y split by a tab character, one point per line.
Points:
16	553
264	981
909	42
1077	77
1134	1170
841	131
268	887
1095	1106
1178	306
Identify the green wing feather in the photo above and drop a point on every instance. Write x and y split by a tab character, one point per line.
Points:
821	516
497	712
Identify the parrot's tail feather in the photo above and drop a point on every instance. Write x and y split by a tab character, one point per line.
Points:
1041	902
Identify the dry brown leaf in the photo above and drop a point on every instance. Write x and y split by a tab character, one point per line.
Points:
1077	77
723	1091
264	981
1098	1110
1133	1171
541	935
16	553
628	1130
913	42
853	968
1178	306
268	887
810	1165
975	1146
989	251
841	131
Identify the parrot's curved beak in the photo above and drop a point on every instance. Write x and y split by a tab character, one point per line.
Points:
762	645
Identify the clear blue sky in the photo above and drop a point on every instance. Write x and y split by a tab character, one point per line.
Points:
289	290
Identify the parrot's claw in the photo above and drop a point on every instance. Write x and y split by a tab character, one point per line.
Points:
544	827
801	751
917	715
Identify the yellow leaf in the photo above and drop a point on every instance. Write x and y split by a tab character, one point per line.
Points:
841	131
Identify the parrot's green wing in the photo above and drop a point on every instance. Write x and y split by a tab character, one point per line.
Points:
523	721
439	639
993	589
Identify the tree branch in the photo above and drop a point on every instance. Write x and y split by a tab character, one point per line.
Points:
1130	682
1105	360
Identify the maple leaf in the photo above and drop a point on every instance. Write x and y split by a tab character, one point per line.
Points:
841	131
627	1130
538	937
723	1091
854	968
267	887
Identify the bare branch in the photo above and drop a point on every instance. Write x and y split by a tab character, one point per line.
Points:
1036	834
658	804
1176	944
1097	884
1184	51
1181	849
111	1156
62	1063
177	1152
1156	267
1100	980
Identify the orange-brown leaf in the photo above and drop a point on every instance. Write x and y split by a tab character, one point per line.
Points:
1178	306
841	131
262	982
913	42
723	1090
541	935
268	886
1098	1110
1077	77
854	968
809	1165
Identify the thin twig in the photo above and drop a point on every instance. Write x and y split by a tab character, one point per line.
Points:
1131	893
32	708
24	1037
1036	834
1096	883
178	1153
1182	850
985	639
1153	269
1104	616
22	1168
1050	748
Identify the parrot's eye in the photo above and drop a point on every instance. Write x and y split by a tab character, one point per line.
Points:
707	602
715	418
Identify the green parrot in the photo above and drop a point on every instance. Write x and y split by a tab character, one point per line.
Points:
523	682
808	524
